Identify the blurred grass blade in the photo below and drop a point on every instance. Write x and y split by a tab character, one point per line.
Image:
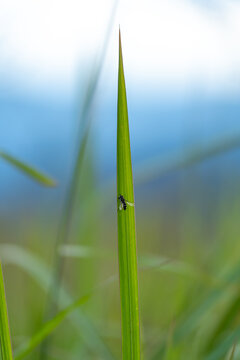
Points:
47	329
126	228
71	196
27	261
223	347
173	266
40	272
28	170
159	167
81	251
145	262
229	320
6	349
192	318
232	352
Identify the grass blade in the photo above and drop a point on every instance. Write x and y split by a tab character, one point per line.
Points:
223	347
232	352
126	228
159	167
145	262
28	170
6	349
228	321
47	329
40	272
70	202
190	321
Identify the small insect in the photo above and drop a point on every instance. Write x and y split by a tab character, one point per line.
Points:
124	203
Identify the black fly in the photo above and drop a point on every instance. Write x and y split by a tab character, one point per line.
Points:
124	203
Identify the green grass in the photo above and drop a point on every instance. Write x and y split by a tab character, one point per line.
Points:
70	207
28	170
128	273
5	340
40	274
47	329
232	352
188	264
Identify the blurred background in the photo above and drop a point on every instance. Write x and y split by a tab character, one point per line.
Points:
58	101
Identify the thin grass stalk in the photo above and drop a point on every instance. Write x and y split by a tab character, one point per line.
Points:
128	272
47	329
5	340
68	210
28	170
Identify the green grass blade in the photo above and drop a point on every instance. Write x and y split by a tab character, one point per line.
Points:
47	329
40	272
126	228
191	320
28	170
159	167
145	262
6	349
71	196
81	252
232	352
227	321
223	347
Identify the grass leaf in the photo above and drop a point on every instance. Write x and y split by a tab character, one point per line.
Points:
28	170
126	228
159	166
6	349
232	352
40	272
229	320
191	319
71	196
47	329
223	347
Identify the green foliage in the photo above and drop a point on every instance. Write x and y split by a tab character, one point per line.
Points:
189	283
28	170
126	228
41	274
5	340
70	206
47	329
232	352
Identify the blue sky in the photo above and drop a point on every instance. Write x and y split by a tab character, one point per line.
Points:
169	45
182	67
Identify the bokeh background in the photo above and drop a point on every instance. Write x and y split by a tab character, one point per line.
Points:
58	81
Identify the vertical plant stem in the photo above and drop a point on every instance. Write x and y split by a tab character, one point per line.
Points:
6	348
68	210
126	228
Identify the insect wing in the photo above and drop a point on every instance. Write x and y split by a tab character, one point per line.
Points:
129	203
120	207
